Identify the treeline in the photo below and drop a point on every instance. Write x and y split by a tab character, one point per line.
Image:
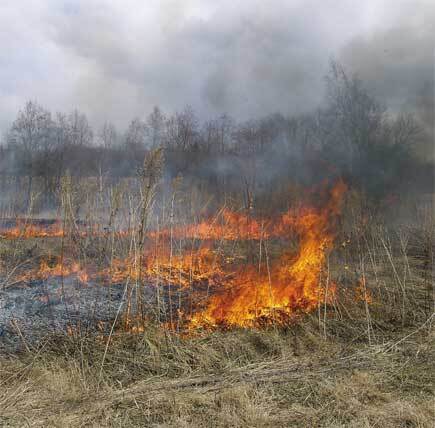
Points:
352	135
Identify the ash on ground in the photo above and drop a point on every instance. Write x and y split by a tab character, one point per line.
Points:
30	311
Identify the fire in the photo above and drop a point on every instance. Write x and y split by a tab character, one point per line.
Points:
26	229
272	289
161	267
49	268
290	284
233	226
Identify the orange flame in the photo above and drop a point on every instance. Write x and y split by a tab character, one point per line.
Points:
272	291
25	230
291	283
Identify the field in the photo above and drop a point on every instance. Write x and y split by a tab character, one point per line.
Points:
239	378
217	214
117	319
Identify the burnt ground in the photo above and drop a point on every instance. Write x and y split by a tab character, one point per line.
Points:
30	311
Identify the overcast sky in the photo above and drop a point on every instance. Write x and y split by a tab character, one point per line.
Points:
115	59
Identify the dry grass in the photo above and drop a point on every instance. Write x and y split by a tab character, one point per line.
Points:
230	379
354	363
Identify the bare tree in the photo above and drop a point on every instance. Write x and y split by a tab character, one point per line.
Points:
217	134
182	130
353	118
405	130
30	133
135	137
156	127
79	130
108	136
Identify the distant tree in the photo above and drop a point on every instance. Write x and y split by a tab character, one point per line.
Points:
217	134
302	134
182	130
362	139
156	127
60	145
405	130
135	143
108	136
136	135
246	137
79	131
31	134
107	144
350	124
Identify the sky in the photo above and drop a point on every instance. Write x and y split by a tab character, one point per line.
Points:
115	59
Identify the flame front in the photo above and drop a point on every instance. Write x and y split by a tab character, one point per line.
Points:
26	230
271	289
290	284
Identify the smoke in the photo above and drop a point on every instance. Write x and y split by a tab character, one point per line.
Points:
397	62
114	60
245	60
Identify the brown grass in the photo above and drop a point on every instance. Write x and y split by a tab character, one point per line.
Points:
351	364
292	377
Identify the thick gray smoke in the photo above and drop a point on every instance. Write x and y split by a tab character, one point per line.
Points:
116	59
397	62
